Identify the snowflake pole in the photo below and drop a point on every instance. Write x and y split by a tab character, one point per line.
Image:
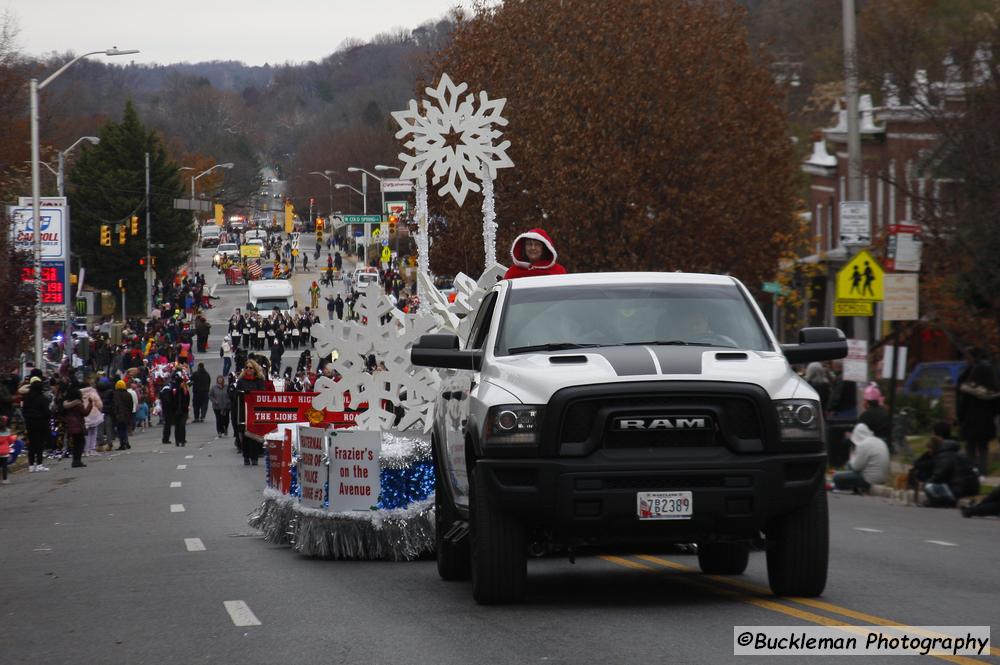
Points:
489	222
423	244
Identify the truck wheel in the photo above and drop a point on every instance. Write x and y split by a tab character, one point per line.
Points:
723	558
799	550
452	559
499	550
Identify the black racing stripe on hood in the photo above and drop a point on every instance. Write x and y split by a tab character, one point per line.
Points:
628	360
679	359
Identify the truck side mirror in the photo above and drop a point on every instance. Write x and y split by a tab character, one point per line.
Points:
441	350
816	344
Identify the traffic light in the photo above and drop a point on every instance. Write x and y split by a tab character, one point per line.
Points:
319	236
121	284
219	215
319	225
135	225
393	220
105	235
122	234
142	262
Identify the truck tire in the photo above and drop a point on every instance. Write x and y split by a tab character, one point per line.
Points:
452	558
799	550
499	550
723	558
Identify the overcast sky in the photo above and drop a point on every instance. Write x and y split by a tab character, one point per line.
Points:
253	31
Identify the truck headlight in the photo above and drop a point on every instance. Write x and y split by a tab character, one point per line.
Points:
799	419
517	424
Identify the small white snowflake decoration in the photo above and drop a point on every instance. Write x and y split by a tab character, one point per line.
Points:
453	139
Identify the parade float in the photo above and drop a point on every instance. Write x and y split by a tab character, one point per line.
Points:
349	467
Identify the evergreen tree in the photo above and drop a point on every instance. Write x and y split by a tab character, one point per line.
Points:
107	185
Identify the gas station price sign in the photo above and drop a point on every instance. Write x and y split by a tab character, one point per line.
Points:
53	287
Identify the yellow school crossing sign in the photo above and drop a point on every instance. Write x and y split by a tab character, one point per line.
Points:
861	279
860	284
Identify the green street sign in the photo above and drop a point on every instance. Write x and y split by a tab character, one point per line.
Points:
774	287
362	219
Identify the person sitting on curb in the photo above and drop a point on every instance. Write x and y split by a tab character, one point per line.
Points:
868	465
988	506
947	473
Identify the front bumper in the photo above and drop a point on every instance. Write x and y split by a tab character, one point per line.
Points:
593	499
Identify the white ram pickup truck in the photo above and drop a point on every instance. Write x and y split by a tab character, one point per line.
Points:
617	410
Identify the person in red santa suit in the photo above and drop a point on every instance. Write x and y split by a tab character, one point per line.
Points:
533	254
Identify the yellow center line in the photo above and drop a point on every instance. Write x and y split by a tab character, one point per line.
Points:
774	606
809	602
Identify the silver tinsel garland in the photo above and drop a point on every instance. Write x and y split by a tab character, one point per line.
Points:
489	222
387	535
378	535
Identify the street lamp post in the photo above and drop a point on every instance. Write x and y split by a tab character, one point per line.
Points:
364	209
382	168
61	185
326	174
34	87
381	212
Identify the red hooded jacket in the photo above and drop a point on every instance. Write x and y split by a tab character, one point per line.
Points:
544	266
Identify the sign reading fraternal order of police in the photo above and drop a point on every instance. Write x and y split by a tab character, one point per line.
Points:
354	470
313	468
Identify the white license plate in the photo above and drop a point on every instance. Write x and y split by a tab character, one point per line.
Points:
664	505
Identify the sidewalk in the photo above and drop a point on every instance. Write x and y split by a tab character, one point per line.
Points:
908	496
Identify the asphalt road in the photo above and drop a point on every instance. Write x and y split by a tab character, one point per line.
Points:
100	565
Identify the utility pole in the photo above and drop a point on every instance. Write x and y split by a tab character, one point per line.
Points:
854	188
149	258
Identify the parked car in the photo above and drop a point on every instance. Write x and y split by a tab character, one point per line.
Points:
931	379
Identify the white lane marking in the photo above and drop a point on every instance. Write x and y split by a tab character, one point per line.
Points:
181	467
867	530
240	613
177	507
941	542
194	545
175	483
189	457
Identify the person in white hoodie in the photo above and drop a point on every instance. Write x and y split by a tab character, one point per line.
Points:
868	464
93	420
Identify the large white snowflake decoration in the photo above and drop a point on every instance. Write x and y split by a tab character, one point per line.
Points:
453	139
415	388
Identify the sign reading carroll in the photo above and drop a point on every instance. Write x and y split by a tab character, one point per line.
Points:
397	185
53	230
354	470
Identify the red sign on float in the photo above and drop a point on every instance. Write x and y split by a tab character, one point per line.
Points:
279	464
267	410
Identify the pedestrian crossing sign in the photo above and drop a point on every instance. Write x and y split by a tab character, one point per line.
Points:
862	279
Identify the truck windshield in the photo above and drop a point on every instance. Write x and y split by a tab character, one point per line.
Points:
267	304
615	315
